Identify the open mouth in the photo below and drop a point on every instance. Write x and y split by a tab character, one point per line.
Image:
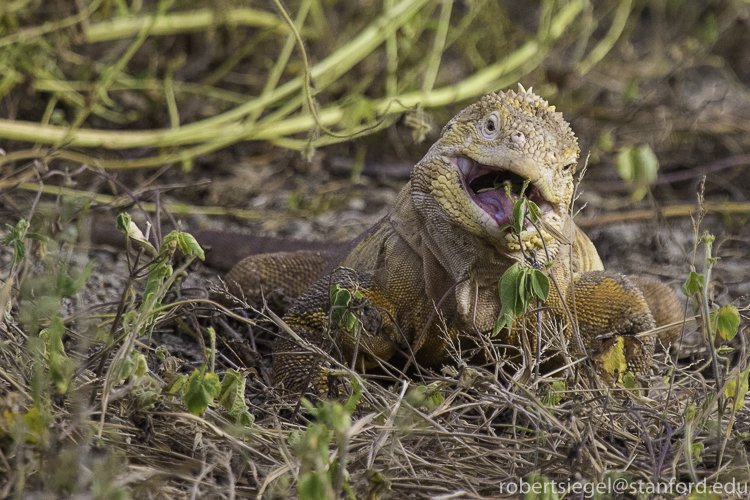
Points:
495	190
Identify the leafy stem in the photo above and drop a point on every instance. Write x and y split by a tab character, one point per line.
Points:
520	284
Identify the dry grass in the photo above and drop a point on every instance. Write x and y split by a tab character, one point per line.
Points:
468	433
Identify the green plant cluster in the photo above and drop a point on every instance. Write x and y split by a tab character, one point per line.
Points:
324	476
60	363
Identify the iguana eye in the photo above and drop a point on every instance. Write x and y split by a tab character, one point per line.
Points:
567	167
491	126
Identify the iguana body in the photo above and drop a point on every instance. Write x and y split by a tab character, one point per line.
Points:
444	247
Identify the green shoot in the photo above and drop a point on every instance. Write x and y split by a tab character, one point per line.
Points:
341	313
323	477
519	285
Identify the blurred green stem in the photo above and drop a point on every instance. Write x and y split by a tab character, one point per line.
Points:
604	46
219	131
438	47
183	22
49	27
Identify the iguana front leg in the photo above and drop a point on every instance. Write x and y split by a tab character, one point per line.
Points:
355	344
611	310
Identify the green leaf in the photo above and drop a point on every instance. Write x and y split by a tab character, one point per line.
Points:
359	109
201	391
555	393
178	385
295	437
232	397
123	222
625	164
534	212
426	395
340	313
15	232
340	300
504	320
517	287
189	246
351	323
689	413
134	364
141	367
32	425
648	165
185	242
696	449
61	367
145	396
540	488
614	360
80	282
67	284
727	322
314	486
540	283
351	403
605	141
710	29
162	353
638	166
437	398
508	296
523	292
158	272
19	251
735	393
131	230
124	368
629	380
15	238
694	284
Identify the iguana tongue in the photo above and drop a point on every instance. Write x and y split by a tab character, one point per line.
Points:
497	204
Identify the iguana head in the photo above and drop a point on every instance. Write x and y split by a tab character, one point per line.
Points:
483	158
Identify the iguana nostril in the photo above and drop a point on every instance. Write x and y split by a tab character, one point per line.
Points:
517	137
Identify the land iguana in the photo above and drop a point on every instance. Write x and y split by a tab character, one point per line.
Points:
430	269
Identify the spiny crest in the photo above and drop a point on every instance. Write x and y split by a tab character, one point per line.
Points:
524	101
514	106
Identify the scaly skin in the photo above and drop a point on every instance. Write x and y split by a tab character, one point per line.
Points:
445	243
